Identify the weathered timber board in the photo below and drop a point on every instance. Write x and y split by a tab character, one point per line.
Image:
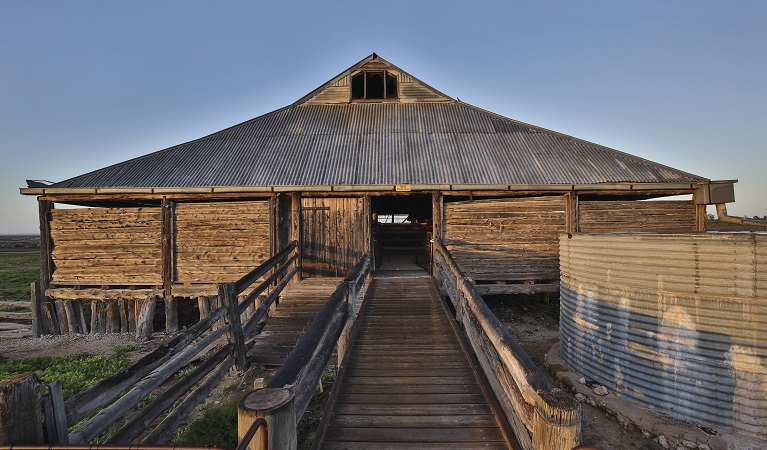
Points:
106	245
526	224
654	216
298	305
220	242
407	381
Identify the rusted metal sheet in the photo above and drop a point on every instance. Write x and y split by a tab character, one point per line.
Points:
677	323
448	143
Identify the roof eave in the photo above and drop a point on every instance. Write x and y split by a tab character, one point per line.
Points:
620	186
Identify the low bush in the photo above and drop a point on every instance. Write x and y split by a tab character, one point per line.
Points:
76	372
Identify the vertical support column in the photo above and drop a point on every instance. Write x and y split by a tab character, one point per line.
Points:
700	218
145	317
297	231
274	225
571	213
171	308
45	209
367	211
437	221
36	304
227	294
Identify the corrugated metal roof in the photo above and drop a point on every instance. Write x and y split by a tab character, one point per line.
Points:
309	144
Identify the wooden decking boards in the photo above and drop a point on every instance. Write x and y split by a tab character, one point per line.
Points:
298	305
408	381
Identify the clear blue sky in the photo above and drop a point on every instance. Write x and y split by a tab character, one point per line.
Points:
85	84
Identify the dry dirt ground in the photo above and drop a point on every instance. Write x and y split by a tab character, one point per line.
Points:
535	326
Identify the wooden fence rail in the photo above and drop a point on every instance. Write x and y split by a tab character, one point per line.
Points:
156	368
285	399
541	417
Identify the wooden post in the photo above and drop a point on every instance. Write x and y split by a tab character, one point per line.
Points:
81	325
36	304
122	305
556	421
112	316
145	318
59	412
71	317
203	306
171	307
171	314
297	232
437	205
227	294
46	246
700	218
571	216
277	407
49	315
20	419
343	339
61	316
98	317
133	307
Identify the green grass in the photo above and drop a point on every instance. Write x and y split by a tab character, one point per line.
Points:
76	372
6	308
17	271
217	427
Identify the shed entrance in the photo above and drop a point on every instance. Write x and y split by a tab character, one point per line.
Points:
402	231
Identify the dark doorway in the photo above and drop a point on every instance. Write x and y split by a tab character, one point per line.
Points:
402	231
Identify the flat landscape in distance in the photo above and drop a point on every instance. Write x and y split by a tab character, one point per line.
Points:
19	243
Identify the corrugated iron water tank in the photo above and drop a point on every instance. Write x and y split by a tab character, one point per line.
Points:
673	322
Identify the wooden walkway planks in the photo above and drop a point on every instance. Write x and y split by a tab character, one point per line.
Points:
298	305
408	381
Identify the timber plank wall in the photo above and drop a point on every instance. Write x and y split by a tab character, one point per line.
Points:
220	242
650	216
211	243
107	246
529	224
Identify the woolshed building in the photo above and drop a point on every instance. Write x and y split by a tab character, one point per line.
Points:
373	161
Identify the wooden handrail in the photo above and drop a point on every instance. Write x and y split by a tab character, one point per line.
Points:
265	284
551	417
310	353
285	399
259	271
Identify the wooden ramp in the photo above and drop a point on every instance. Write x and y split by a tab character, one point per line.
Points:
408	381
298	305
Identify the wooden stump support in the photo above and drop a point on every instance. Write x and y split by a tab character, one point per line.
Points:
227	295
277	407
20	419
145	317
556	421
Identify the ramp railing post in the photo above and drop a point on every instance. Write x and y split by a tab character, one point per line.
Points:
277	407
227	294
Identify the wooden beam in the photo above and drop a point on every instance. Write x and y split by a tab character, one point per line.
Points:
296	231
700	218
46	250
167	226
511	289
